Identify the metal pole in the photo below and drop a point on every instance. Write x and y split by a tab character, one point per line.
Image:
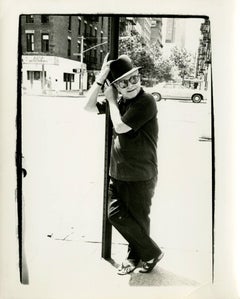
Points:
81	84
107	228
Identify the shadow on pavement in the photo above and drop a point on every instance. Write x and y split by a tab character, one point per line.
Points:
160	277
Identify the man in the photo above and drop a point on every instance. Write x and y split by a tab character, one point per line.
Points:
133	163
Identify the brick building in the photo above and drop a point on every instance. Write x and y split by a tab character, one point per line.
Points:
50	48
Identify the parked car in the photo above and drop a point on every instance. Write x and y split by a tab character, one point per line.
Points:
175	91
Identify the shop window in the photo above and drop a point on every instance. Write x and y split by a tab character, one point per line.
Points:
45	42
68	77
30	42
35	75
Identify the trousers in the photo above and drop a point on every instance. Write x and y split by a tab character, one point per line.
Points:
128	211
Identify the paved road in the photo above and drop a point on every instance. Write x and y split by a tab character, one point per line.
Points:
63	148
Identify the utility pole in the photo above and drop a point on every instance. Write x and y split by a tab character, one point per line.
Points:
81	60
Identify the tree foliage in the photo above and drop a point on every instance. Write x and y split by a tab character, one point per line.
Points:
135	48
184	61
154	65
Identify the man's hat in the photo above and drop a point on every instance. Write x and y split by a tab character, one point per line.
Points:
121	67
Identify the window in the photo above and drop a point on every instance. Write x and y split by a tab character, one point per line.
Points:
35	75
69	48
30	42
91	55
91	31
45	42
68	77
69	23
85	28
101	37
29	19
44	19
79	26
79	49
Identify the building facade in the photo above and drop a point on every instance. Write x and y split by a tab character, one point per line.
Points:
143	27
156	32
150	29
204	53
173	34
51	46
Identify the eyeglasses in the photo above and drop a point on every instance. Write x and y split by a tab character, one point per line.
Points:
124	83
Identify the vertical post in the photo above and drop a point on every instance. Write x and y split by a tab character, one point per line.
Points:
43	79
23	267
81	74
107	228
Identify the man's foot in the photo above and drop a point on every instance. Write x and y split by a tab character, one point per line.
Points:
127	267
147	266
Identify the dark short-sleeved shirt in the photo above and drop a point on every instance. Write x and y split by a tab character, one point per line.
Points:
134	154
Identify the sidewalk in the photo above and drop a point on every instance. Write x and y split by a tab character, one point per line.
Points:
64	148
75	269
53	93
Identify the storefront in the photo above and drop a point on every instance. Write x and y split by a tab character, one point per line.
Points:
49	73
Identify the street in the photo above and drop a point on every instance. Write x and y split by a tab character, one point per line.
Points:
63	148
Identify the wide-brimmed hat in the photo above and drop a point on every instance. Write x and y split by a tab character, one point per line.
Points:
121	67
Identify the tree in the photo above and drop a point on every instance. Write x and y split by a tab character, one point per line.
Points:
184	61
163	70
135	47
154	66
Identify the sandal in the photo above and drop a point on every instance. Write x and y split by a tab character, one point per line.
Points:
127	267
149	265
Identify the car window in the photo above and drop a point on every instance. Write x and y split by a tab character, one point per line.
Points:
168	86
178	86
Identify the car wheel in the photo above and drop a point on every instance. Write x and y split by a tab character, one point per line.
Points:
157	96
196	98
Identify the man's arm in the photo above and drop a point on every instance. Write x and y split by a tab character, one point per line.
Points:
97	85
92	96
119	126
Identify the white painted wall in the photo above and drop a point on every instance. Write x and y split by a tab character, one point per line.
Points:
55	67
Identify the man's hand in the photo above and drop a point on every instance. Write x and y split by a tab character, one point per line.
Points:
111	94
102	76
119	126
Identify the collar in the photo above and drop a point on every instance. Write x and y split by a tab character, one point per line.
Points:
125	101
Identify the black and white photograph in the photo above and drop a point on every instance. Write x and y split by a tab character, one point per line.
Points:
118	191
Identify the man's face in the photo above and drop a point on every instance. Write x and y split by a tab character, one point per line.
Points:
129	86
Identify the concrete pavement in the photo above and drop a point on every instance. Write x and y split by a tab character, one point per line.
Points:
64	150
55	93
